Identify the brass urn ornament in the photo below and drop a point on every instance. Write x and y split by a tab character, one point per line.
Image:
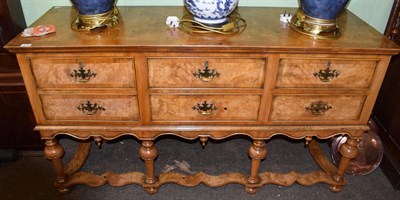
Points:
370	152
317	18
95	14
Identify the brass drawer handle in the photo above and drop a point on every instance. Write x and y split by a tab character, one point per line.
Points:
206	74
318	107
327	74
89	108
204	108
82	75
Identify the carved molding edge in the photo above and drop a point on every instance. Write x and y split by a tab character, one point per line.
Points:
214	132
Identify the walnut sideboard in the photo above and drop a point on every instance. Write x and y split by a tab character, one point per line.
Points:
144	79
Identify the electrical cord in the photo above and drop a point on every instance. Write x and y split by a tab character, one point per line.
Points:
235	24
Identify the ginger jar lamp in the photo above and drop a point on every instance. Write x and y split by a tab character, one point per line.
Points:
95	13
211	12
318	18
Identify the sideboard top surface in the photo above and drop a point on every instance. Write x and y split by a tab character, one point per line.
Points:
144	28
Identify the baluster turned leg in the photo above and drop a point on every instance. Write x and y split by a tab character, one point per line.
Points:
54	152
348	151
257	152
148	153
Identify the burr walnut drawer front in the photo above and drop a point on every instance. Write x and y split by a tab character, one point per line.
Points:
317	108
90	107
320	73
206	72
90	72
205	107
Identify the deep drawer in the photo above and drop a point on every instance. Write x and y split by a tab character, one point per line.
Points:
90	107
206	72
84	72
322	73
205	107
317	108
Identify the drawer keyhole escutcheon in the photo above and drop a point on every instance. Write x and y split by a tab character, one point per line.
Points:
204	108
82	75
327	74
318	107
206	74
89	108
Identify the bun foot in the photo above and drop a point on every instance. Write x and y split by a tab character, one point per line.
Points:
63	190
151	190
251	190
335	188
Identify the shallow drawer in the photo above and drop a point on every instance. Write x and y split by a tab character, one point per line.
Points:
90	107
206	72
308	73
316	107
205	107
94	72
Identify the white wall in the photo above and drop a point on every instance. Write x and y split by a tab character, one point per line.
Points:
374	12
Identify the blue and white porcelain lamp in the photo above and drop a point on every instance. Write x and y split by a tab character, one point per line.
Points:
317	18
211	12
95	13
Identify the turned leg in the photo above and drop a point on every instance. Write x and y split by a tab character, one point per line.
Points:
257	152
148	153
348	151
54	152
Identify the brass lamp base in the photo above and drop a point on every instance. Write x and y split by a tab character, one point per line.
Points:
89	22
314	27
